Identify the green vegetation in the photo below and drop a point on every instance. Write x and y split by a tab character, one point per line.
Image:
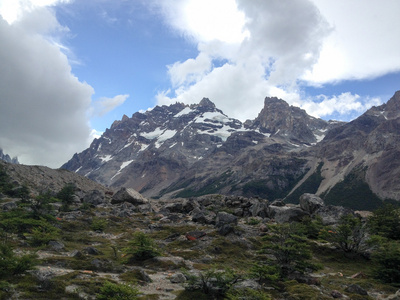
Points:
353	192
386	222
142	247
114	291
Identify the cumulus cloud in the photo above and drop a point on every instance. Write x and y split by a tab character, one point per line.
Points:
276	41
346	104
105	105
279	48
43	115
363	45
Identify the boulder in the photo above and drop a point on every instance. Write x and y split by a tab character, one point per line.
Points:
56	245
225	223
91	251
310	203
356	289
178	278
94	197
259	209
198	216
283	214
330	215
128	195
224	218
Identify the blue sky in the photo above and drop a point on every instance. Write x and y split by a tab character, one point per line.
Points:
70	68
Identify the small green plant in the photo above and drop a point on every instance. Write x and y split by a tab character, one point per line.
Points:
248	294
114	291
99	224
212	282
264	273
142	247
253	221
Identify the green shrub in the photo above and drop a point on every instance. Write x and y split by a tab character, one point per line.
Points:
142	247
12	265
350	235
66	195
289	248
212	282
388	260
385	221
113	291
99	224
264	273
247	294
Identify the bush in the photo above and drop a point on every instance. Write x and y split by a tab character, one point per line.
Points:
350	235
113	291
215	283
247	294
12	265
388	260
98	224
66	195
386	222
289	248
142	247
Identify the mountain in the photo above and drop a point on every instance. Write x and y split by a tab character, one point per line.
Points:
7	158
191	150
362	157
197	149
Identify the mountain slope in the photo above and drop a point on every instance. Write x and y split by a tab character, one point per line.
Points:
200	149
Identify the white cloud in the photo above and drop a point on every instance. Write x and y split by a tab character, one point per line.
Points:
276	42
13	10
44	107
280	47
364	43
105	105
344	104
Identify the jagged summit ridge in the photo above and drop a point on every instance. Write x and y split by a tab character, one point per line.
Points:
153	150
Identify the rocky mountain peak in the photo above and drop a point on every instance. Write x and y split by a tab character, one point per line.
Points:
7	158
278	118
205	102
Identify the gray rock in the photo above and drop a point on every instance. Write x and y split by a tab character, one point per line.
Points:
336	294
225	218
198	216
9	206
91	251
356	289
56	245
225	229
175	207
310	203
331	215
76	253
286	214
278	202
259	210
94	197
128	195
178	278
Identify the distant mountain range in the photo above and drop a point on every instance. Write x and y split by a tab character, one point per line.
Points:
190	150
7	158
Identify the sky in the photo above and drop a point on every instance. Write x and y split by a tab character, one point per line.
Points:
70	68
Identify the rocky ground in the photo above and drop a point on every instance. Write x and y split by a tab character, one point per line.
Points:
192	235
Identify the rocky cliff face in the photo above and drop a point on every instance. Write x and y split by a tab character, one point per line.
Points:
368	146
197	149
182	150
